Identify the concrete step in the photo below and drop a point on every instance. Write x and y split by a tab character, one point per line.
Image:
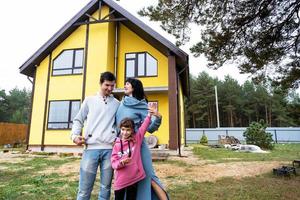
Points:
159	155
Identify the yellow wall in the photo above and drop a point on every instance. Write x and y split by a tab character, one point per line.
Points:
100	58
38	107
68	87
163	108
111	47
97	61
130	42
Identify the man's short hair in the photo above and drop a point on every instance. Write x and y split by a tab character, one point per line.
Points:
107	76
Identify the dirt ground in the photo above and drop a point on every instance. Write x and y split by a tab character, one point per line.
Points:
169	173
179	170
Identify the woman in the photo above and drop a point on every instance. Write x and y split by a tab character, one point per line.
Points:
134	105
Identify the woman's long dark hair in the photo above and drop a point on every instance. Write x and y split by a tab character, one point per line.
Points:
138	89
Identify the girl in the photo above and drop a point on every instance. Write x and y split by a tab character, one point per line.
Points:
126	157
134	106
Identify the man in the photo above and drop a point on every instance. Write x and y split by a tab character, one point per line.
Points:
99	133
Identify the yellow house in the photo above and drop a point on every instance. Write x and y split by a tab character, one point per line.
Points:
103	37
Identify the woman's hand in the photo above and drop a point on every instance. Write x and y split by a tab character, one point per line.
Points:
152	110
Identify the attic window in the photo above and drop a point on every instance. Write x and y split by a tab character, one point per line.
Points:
68	62
140	65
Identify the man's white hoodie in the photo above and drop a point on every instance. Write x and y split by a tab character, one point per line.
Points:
99	113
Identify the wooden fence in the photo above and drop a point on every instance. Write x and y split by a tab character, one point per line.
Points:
12	133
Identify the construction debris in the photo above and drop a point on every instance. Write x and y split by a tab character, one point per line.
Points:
222	139
284	171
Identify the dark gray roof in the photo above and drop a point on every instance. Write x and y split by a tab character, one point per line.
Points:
144	31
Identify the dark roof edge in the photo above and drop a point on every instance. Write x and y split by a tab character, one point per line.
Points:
147	29
40	54
56	35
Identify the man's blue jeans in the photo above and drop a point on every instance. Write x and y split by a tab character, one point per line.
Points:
90	161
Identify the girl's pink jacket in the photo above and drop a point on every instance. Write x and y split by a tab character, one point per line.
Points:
132	172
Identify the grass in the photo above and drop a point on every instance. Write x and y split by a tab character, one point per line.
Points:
26	180
175	162
28	186
19	149
281	152
21	180
263	187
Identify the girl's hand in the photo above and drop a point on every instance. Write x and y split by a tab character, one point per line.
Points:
125	161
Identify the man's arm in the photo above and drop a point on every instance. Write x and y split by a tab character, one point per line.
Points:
78	122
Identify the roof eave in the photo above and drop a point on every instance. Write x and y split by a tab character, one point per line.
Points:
137	26
28	67
142	26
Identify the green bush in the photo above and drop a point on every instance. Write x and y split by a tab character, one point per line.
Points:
256	134
204	139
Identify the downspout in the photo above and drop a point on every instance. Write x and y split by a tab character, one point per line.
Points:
28	78
46	104
179	114
179	119
184	69
188	94
31	106
116	48
86	49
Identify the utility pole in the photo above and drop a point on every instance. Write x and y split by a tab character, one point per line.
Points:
217	107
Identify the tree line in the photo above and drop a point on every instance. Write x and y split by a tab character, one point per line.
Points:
239	105
15	105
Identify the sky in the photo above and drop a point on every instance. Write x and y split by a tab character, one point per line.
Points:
27	25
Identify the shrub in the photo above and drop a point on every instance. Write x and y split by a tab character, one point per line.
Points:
204	140
256	134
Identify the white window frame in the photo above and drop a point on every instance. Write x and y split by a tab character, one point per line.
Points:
140	71
69	69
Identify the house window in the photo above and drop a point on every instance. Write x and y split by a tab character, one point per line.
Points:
62	113
68	62
140	65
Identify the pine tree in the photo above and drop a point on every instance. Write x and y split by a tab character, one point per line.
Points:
260	36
